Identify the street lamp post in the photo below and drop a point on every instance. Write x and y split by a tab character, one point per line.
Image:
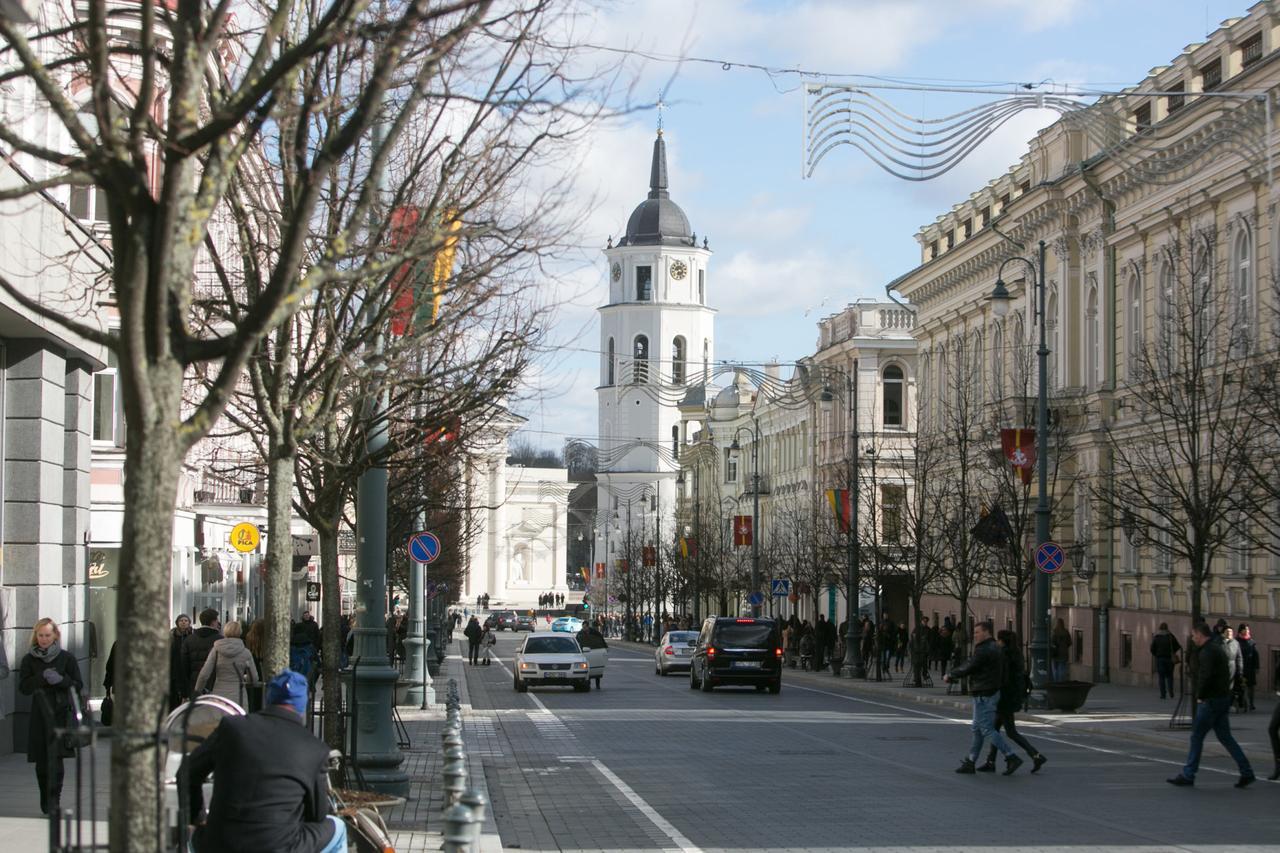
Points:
1000	299
735	450
697	556
853	663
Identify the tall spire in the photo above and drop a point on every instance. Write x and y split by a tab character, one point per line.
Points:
658	171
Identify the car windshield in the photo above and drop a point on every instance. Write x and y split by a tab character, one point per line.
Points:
744	635
678	637
551	646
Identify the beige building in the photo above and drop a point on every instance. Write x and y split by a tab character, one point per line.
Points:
1158	209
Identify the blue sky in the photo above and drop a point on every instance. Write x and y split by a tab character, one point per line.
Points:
787	250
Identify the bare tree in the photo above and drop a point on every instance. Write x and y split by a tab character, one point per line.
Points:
1184	448
176	124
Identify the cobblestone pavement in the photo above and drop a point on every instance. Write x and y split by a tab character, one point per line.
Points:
648	764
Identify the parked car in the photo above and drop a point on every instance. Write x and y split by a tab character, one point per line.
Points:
547	657
504	620
674	652
525	622
740	650
567	625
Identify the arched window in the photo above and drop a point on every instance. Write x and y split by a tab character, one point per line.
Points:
706	359
892	390
1020	357
1165	311
640	360
677	360
1092	338
1133	304
612	355
1242	291
975	369
924	389
675	444
997	362
644	284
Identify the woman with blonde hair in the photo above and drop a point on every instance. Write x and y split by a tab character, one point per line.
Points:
47	674
228	668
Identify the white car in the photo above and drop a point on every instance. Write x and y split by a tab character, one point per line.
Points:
551	657
674	652
567	625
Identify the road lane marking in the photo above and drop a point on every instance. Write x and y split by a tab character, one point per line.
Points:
535	699
645	809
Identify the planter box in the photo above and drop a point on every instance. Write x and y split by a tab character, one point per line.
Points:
1067	695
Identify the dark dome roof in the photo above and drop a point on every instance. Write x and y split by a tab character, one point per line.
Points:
658	221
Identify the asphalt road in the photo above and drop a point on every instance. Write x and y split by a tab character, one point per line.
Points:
648	764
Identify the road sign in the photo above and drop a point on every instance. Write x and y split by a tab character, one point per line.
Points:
1050	557
756	599
313	591
781	587
424	547
245	537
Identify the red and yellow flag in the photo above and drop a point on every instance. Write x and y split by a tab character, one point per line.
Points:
841	507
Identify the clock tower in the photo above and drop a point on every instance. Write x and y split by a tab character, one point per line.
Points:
657	344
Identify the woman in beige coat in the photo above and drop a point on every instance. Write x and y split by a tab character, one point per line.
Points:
228	668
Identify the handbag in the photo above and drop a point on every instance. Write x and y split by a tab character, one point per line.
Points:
108	710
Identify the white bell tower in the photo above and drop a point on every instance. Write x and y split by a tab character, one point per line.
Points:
657	339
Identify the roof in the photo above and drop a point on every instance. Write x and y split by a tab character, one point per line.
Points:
658	221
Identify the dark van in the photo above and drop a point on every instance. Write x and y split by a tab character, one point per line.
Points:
737	650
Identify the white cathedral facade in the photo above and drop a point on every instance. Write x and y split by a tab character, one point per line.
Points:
657	339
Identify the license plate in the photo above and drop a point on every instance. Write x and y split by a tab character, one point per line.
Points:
746	664
684	653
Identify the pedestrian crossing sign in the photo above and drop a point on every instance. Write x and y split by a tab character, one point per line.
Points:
781	587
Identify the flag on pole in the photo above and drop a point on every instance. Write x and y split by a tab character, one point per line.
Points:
623	566
405	222
649	555
841	507
688	547
1019	447
741	530
599	570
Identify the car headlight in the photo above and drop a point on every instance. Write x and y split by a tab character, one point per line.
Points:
528	666
581	665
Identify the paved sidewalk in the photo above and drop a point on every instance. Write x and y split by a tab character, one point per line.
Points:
1135	714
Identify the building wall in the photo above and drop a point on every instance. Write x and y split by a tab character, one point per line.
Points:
1110	219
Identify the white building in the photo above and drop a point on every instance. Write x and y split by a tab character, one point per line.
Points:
657	339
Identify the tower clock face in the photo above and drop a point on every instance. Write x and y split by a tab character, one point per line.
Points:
617	272
679	270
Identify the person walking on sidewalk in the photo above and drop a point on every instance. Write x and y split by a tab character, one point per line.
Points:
1252	662
487	641
1213	711
473	632
47	674
1060	651
1165	649
1013	692
984	671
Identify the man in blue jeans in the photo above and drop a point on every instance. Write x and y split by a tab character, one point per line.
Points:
1213	711
985	673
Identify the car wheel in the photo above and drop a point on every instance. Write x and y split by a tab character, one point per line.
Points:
693	679
657	670
776	687
521	687
706	684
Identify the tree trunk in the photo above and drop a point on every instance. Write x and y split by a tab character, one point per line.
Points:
277	583
331	630
153	460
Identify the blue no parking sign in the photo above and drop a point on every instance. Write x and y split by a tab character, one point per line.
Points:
1050	558
424	547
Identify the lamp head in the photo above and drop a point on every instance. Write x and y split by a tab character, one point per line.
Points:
1076	553
1000	299
680	478
735	450
826	399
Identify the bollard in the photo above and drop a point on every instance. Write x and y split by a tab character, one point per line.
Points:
474	800
458	830
452	737
454	773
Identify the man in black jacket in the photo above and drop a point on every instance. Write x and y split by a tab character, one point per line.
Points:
1214	709
270	789
985	673
196	648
